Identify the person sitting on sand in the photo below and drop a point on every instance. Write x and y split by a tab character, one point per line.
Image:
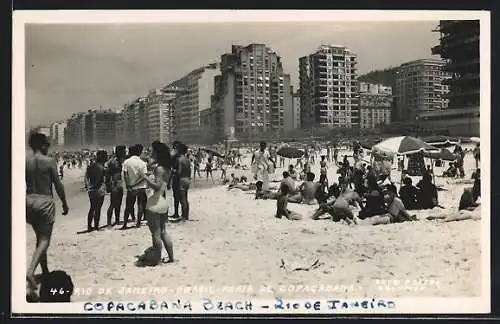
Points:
282	204
293	173
375	204
327	207
409	194
451	171
427	194
342	205
307	191
234	179
288	181
467	200
476	188
397	211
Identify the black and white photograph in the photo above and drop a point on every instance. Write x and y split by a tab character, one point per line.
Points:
251	162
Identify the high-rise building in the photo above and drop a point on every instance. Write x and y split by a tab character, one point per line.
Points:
57	130
159	113
328	88
194	93
43	130
459	46
251	94
75	134
375	104
419	88
296	110
100	127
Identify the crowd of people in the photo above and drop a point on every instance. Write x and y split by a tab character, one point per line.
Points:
360	194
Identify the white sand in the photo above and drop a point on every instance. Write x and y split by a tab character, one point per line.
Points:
235	240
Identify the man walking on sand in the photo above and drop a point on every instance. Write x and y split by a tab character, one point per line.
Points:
261	161
41	174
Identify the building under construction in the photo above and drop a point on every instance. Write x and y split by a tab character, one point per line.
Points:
459	46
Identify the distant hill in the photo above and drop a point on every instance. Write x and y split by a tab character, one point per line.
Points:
378	76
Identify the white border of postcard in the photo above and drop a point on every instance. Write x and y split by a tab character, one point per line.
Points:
404	305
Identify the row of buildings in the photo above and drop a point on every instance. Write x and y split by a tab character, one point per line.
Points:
248	96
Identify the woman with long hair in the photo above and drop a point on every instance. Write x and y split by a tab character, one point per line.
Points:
157	205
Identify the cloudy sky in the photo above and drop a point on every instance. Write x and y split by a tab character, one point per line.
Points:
71	68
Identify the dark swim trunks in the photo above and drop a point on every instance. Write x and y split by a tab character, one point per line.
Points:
40	210
184	184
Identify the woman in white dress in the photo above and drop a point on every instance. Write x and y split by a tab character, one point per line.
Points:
157	205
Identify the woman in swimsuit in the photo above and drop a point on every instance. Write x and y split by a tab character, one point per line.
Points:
157	205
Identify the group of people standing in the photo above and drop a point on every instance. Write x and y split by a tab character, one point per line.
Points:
146	181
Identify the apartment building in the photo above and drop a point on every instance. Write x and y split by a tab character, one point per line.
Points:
193	93
57	130
459	46
100	127
375	104
251	94
328	88
296	110
419	89
75	134
159	115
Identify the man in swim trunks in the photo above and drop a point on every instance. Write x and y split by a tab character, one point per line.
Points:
95	186
181	180
41	174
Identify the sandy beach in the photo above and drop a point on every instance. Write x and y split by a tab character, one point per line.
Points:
234	247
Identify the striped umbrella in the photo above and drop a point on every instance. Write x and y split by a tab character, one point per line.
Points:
403	145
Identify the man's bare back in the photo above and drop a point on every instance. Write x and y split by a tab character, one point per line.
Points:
41	173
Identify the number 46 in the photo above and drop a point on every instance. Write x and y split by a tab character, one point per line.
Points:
54	291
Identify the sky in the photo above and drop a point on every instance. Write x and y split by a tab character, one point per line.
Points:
75	67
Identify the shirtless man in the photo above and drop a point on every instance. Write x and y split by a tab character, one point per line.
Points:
342	206
307	191
41	174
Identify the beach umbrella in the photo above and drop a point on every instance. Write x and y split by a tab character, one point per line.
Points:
403	145
444	154
475	139
440	141
212	152
290	152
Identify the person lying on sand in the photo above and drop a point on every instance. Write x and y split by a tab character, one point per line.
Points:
397	212
282	202
466	206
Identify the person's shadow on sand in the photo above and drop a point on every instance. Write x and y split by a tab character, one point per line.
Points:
92	230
